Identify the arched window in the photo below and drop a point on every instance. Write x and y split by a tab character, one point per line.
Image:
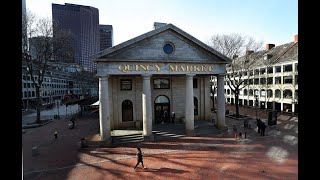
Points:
25	94
287	94
195	101
33	94
29	94
228	91
245	92
278	93
250	92
127	111
269	93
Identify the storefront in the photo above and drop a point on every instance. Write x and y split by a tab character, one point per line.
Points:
162	71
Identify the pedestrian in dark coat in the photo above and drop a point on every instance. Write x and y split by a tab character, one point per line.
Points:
139	159
259	125
173	116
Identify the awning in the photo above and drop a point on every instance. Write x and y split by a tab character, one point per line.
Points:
95	104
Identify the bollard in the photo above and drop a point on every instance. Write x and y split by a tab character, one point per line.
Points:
56	134
35	151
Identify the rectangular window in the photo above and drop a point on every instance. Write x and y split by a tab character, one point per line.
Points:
245	82
251	73
256	80
195	83
287	68
296	79
277	80
126	84
278	69
270	70
270	80
161	84
256	72
296	67
262	71
250	81
287	79
262	80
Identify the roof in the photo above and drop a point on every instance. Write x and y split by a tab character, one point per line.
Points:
278	54
154	32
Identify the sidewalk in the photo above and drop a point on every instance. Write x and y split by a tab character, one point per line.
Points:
207	156
63	111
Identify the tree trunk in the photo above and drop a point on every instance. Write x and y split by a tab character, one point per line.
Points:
237	104
39	104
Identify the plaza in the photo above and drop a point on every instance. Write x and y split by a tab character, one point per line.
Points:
214	154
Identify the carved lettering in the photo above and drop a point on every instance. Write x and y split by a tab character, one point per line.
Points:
173	68
157	67
210	68
124	68
189	68
145	67
182	68
204	68
196	68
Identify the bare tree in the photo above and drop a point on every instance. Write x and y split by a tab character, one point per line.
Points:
232	46
85	79
39	45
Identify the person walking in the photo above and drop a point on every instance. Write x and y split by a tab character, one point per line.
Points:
259	125
263	128
139	159
173	116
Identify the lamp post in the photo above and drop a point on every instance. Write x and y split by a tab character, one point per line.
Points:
256	105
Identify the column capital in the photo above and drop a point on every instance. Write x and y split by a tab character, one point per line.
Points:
190	76
103	77
146	76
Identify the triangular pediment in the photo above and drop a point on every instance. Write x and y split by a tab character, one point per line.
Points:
149	47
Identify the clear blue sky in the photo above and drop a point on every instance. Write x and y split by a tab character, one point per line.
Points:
270	21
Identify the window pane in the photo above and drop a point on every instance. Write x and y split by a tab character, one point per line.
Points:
161	84
126	84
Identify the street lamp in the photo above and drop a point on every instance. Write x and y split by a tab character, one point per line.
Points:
256	105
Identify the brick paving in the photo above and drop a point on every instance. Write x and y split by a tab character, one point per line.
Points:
209	156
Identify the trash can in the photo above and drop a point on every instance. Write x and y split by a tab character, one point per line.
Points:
35	151
83	142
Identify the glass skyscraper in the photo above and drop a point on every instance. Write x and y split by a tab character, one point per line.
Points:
106	36
83	23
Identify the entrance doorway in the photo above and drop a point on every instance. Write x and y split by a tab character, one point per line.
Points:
162	109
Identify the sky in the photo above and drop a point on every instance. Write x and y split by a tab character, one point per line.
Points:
270	21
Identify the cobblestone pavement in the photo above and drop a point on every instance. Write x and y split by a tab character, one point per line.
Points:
209	156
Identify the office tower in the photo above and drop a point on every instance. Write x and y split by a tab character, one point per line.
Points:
83	23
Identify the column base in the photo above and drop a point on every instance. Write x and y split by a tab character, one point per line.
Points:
105	143
190	132
148	138
222	127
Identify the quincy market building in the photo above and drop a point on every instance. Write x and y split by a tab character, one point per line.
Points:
165	69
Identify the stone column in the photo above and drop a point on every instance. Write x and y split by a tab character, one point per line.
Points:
189	110
104	109
207	99
221	109
147	108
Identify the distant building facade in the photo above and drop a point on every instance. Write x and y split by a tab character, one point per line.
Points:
106	36
271	85
83	23
59	83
